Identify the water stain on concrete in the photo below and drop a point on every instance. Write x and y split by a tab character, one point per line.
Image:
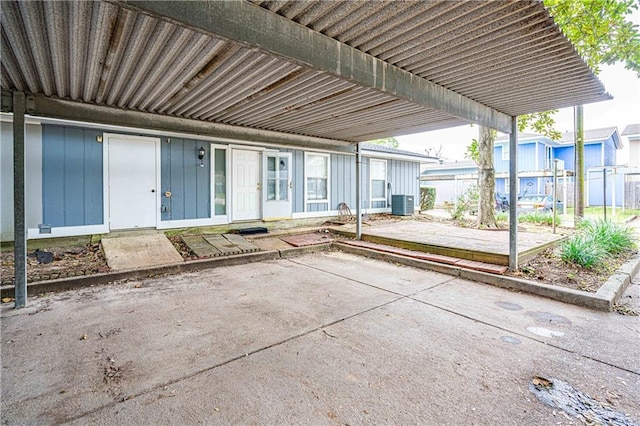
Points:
511	340
509	306
548	318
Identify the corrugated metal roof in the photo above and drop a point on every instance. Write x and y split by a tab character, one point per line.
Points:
507	55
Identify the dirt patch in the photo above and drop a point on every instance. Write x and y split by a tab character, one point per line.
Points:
182	248
548	268
56	262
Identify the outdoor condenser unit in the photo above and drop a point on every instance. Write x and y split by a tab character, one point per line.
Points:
402	205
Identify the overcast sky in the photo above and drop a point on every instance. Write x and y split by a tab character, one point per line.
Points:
623	110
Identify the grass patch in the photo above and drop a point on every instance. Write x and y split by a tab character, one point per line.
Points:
596	241
539	218
598	213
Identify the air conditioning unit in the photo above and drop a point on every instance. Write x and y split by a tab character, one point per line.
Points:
402	205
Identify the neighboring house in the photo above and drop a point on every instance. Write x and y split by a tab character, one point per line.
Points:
449	179
536	155
632	132
90	179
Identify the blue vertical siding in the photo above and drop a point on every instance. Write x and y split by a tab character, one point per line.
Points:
342	180
526	157
499	164
542	156
529	186
298	181
609	152
72	176
404	177
190	184
566	154
593	155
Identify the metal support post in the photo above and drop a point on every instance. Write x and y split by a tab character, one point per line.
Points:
554	202
513	195
19	221
604	191
358	193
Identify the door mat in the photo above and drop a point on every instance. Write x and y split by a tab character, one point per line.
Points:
307	239
254	230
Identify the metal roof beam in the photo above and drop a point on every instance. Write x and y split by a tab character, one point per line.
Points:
40	105
256	27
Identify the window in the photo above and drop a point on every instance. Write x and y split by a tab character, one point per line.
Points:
549	154
378	180
505	152
317	177
277	178
220	182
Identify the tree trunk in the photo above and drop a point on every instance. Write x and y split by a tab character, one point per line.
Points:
578	212
486	179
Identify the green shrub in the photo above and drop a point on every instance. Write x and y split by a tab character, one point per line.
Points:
427	198
582	250
538	218
595	241
466	202
612	237
502	216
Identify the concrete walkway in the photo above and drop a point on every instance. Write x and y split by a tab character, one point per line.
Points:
139	251
325	338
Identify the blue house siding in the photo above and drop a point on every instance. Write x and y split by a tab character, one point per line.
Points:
297	172
609	153
72	176
566	154
180	173
526	158
542	156
404	178
343	171
592	155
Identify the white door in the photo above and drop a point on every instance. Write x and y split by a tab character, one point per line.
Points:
246	184
278	184
132	182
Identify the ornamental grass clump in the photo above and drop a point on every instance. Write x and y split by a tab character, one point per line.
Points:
538	218
582	250
596	241
613	237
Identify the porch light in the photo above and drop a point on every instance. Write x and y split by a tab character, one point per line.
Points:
201	153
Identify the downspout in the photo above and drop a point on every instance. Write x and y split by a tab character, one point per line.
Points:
19	216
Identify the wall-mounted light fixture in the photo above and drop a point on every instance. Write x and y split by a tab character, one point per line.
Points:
201	153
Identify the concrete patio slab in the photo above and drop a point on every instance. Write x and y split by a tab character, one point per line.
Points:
318	339
140	251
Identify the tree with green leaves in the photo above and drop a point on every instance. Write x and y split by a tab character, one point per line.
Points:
388	142
602	34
